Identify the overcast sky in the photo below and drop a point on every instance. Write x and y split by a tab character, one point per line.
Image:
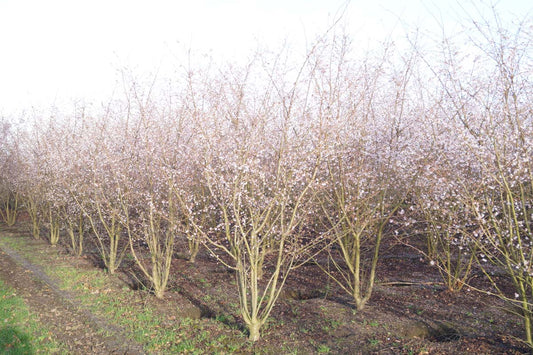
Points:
55	50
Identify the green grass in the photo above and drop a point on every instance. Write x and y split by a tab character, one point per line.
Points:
19	333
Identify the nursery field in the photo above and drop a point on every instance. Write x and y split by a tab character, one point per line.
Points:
411	312
334	200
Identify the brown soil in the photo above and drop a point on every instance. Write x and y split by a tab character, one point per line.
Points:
410	311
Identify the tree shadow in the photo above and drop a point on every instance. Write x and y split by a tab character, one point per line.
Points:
13	341
212	313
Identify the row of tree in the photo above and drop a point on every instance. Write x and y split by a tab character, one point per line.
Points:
270	163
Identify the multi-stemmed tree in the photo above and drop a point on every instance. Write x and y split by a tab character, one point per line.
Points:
258	164
486	99
365	104
10	168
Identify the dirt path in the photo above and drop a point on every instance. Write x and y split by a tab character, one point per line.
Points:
77	328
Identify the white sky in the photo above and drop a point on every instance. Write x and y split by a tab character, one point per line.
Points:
55	50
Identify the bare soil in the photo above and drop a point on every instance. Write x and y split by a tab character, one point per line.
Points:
410	312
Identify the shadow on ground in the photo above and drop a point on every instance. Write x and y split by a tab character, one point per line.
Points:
13	341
